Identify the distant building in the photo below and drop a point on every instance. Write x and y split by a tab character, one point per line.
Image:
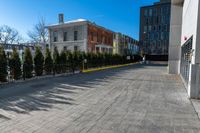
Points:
125	45
155	28
80	35
19	47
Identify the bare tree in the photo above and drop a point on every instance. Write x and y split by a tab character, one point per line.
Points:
39	33
9	35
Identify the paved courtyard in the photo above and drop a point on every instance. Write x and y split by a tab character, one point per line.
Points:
134	99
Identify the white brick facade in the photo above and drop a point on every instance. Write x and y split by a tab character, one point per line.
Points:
70	43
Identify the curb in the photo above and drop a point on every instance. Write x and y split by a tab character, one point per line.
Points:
3	85
108	67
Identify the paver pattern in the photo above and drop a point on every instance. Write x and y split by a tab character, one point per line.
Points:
133	99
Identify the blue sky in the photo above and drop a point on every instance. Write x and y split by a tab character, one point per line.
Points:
117	15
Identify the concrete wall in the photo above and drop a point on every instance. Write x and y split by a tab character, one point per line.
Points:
189	29
189	25
184	25
175	38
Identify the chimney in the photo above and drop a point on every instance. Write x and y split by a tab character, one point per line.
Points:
61	18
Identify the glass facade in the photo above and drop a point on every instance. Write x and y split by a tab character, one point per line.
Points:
155	27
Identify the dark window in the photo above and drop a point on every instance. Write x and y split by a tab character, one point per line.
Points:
150	12
154	28
55	36
159	28
163	20
150	28
92	36
105	39
165	28
168	10
147	21
65	48
145	29
114	36
65	36
75	48
146	12
155	12
75	35
162	37
157	19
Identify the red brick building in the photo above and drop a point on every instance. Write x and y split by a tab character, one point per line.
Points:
80	35
99	39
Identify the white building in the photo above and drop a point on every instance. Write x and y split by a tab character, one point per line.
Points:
8	48
184	48
80	35
70	36
125	45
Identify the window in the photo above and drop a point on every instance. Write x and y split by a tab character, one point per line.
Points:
147	21
165	28
114	36
155	12
75	35
105	39
75	48
55	36
167	35
152	36
150	28
163	19
158	36
144	43
150	12
159	27
154	28
92	36
97	49
151	20
146	12
161	11
162	36
157	19
65	48
168	10
167	19
98	37
65	36
147	36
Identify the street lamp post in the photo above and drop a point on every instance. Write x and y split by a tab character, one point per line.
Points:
23	66
84	61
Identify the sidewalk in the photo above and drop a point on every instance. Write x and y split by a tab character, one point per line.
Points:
196	104
140	98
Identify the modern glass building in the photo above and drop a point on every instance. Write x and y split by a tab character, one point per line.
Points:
155	28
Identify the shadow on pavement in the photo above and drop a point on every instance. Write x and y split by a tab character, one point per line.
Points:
42	95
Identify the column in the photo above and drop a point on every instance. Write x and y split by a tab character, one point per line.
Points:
175	37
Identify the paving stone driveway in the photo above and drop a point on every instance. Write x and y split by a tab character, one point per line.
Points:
134	99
